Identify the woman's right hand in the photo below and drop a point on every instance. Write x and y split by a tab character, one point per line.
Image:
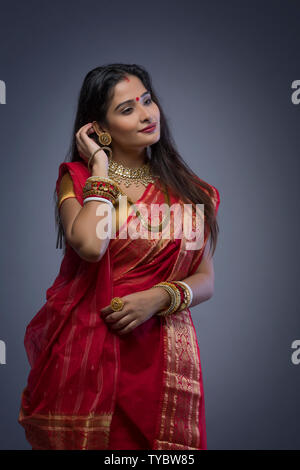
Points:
87	146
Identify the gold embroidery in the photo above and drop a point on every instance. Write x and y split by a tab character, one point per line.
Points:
179	416
57	432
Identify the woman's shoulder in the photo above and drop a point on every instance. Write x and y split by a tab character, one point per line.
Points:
66	189
77	172
66	183
211	190
76	169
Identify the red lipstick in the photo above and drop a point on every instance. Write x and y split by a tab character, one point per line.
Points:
149	129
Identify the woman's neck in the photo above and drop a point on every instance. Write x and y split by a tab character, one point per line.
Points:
132	160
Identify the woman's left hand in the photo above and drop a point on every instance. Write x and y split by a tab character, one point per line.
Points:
138	307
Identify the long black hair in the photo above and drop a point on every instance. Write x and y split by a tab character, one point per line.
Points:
93	102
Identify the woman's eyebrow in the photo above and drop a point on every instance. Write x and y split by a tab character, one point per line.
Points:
130	101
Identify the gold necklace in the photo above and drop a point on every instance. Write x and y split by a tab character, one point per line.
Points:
121	173
145	223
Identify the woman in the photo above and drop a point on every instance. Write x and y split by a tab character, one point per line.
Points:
109	368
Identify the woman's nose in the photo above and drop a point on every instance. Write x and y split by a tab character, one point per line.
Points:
144	114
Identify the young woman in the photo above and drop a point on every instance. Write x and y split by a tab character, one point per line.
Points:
115	362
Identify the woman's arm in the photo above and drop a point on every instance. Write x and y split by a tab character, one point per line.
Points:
202	281
140	306
79	224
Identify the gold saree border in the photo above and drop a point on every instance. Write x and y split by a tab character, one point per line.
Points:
59	432
178	425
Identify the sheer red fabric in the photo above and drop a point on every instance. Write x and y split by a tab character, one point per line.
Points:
89	388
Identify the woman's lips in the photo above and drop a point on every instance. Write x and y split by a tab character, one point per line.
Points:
149	129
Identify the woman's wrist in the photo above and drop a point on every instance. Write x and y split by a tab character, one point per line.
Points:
98	170
161	298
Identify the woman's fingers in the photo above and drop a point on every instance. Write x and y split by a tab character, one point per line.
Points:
85	144
128	328
108	310
112	315
85	139
115	316
122	323
83	130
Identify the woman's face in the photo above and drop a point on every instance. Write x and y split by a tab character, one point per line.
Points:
126	120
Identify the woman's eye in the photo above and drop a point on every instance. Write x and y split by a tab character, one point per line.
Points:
128	109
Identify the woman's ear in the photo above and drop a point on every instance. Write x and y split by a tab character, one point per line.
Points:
97	127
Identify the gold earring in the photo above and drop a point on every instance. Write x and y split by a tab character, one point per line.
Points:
103	137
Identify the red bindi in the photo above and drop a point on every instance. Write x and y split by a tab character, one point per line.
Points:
137	98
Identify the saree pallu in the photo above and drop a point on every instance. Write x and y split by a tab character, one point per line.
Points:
88	387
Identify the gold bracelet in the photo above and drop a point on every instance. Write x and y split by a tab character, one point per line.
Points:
172	304
175	296
90	182
104	178
108	188
187	295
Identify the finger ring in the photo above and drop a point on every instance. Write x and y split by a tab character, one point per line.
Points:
117	304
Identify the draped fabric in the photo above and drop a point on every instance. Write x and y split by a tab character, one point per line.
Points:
89	388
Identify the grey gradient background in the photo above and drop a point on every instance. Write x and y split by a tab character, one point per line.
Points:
223	71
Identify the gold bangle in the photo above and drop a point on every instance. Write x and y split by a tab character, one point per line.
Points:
108	189
175	295
172	301
104	178
92	157
95	179
187	295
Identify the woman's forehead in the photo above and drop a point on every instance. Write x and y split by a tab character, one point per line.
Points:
130	88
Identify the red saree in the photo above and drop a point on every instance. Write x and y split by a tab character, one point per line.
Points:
89	388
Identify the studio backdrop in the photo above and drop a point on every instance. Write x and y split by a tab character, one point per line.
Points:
228	76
